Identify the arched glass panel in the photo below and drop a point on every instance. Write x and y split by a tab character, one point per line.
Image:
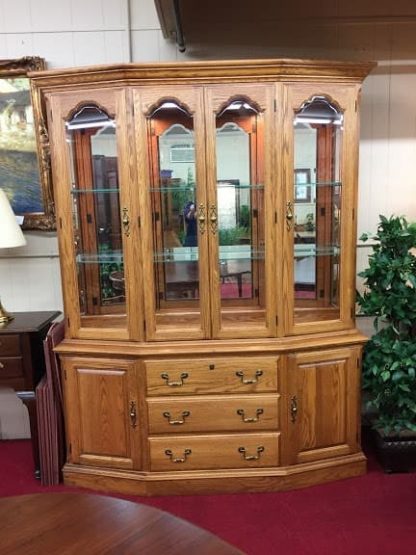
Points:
318	128
174	206
240	205
91	139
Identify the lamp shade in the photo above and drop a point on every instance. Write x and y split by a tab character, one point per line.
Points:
10	233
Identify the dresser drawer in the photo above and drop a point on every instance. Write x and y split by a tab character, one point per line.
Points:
9	345
11	367
210	452
213	414
211	375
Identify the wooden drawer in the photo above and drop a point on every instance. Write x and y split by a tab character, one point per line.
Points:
213	452
9	345
210	375
11	367
213	414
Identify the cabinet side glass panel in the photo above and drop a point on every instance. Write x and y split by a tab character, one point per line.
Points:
92	143
318	128
174	204
238	216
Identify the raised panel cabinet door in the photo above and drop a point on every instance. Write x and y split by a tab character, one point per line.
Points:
102	413
239	120
97	226
170	155
319	157
323	404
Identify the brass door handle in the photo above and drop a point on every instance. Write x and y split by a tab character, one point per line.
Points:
133	414
289	215
178	421
246	457
240	374
213	218
249	419
1	365
125	219
293	408
201	218
174	459
165	377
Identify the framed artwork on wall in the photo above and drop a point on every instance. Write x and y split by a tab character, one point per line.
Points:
303	185
25	173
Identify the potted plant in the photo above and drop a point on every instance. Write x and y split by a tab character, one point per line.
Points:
389	361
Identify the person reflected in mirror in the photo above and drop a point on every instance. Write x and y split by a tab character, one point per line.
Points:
191	231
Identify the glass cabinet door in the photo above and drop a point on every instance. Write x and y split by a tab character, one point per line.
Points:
239	209
94	163
318	211
170	131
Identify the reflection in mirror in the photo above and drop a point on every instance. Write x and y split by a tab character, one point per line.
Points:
174	205
240	204
318	127
91	137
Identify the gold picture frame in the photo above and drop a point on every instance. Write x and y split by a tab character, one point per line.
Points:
25	170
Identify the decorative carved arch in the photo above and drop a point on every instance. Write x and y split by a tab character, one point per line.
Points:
239	98
328	98
88	104
182	105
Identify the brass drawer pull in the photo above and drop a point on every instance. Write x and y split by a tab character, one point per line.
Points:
165	377
293	408
185	414
251	457
1	365
133	414
250	419
240	374
174	459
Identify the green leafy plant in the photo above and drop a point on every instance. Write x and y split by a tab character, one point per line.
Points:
389	361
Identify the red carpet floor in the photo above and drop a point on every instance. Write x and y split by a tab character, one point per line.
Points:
371	515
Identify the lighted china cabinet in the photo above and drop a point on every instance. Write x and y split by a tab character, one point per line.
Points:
207	227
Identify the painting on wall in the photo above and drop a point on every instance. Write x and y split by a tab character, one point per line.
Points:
24	146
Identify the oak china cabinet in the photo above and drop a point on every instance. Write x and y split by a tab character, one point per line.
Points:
207	226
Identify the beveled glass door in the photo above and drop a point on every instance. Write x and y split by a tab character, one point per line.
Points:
170	130
90	129
240	209
320	128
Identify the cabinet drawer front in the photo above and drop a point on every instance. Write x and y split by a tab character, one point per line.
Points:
9	345
213	414
225	375
11	367
214	452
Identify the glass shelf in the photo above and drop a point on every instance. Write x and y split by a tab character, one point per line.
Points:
167	188
307	250
190	254
115	257
320	184
83	191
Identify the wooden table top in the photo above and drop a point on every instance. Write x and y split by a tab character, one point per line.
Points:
26	322
78	523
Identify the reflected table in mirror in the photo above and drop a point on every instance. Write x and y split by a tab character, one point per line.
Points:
96	524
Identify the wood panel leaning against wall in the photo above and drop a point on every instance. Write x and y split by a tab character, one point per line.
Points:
206	218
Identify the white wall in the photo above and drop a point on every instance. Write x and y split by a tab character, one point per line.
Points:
80	32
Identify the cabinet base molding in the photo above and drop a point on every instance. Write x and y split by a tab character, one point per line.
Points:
215	481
